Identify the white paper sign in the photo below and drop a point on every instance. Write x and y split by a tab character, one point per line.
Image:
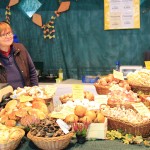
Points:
141	108
63	126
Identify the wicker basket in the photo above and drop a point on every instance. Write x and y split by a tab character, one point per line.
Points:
140	129
102	90
13	144
144	90
54	143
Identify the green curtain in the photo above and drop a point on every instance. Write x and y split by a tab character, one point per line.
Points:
81	46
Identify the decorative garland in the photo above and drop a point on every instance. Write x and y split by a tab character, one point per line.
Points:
48	28
7	14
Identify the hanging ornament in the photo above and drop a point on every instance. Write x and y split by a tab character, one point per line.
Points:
13	2
64	6
37	19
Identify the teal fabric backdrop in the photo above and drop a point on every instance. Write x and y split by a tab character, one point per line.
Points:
81	46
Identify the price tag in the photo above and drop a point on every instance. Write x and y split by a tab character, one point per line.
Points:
147	64
141	108
63	113
78	91
118	75
101	99
63	126
59	115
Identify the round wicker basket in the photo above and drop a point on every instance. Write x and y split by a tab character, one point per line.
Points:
144	90
13	144
54	143
135	129
101	90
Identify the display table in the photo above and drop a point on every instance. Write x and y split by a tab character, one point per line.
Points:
66	87
88	145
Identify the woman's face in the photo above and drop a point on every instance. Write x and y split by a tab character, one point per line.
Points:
6	37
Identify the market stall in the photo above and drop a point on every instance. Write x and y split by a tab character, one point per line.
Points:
108	113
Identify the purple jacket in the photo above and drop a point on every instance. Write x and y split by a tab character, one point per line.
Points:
20	63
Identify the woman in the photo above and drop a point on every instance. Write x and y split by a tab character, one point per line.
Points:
16	66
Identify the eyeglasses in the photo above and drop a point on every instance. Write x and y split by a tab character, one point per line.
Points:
6	35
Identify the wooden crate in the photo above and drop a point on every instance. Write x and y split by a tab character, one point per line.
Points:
97	130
